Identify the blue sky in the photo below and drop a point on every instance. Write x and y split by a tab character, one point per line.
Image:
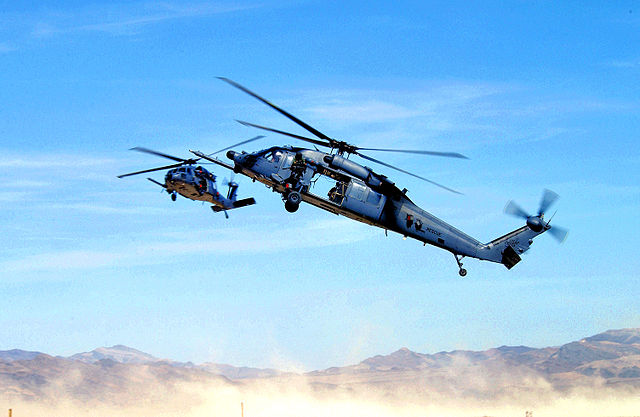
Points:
538	95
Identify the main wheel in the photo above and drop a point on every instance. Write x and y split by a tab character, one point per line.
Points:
173	196
294	198
291	208
463	272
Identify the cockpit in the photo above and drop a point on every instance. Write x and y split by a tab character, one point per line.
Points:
181	172
273	154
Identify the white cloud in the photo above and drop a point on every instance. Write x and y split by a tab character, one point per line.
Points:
155	250
6	47
629	64
54	161
367	111
13	196
106	209
127	18
24	183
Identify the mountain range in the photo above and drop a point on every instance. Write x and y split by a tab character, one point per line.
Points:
610	359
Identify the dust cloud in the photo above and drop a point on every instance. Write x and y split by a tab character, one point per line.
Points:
304	396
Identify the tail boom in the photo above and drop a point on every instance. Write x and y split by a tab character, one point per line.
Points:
508	248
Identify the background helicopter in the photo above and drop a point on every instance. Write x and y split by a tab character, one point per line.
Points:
195	182
366	196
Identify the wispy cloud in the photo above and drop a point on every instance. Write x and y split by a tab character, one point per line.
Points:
13	196
219	241
128	18
6	47
54	161
105	209
492	112
24	183
629	64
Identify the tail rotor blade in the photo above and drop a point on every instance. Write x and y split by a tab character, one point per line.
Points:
515	210
548	198
559	233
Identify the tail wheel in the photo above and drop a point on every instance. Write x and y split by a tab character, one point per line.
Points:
173	196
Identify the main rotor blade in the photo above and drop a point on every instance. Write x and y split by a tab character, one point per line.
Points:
237	144
156	182
548	198
444	154
151	170
406	172
559	233
515	210
278	109
152	152
293	135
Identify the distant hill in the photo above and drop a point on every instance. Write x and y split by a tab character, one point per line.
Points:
17	355
119	372
117	353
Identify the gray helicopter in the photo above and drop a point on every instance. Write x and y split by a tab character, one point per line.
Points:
195	182
368	197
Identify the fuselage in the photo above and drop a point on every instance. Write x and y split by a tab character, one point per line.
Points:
195	183
361	195
365	196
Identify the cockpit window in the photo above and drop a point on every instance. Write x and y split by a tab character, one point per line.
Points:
272	156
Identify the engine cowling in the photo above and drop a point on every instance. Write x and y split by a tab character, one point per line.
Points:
535	223
357	170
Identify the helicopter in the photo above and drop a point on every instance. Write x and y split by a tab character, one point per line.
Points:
195	182
366	196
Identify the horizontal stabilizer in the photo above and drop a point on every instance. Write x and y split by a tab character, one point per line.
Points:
509	257
244	202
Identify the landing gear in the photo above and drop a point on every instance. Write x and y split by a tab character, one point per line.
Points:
292	201
173	196
462	272
294	198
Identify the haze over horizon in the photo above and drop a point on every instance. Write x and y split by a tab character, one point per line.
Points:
537	95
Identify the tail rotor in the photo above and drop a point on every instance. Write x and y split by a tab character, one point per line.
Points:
233	187
536	222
